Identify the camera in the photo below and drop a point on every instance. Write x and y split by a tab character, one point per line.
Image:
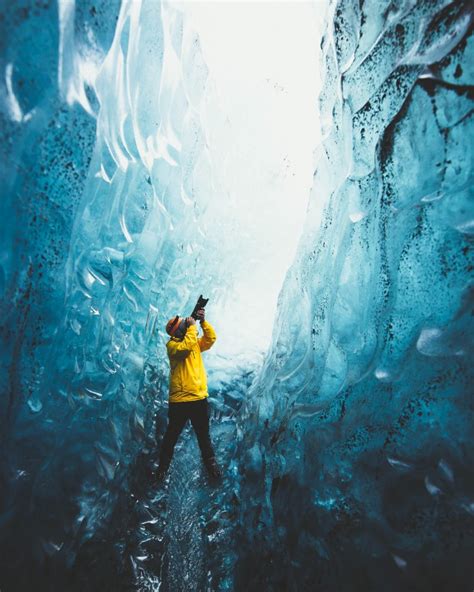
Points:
201	303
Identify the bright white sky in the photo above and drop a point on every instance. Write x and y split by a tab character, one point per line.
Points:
263	57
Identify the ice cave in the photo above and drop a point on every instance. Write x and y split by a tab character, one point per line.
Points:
307	167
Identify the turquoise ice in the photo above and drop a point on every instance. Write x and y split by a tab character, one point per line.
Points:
345	426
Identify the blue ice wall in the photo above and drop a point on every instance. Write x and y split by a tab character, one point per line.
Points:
349	465
357	447
46	144
104	237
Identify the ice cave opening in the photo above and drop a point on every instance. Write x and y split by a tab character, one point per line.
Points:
261	154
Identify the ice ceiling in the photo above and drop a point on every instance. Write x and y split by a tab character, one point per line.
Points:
306	166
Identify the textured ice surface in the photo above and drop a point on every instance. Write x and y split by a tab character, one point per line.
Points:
349	466
357	442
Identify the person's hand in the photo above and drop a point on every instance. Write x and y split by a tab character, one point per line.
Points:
201	313
191	321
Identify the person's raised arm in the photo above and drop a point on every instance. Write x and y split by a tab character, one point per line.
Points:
209	337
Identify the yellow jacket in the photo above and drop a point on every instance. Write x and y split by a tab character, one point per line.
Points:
188	379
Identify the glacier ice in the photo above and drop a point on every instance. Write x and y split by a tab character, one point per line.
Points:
372	492
346	431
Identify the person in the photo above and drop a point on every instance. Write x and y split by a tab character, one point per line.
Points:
188	389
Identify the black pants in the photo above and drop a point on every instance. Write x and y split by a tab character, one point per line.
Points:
178	415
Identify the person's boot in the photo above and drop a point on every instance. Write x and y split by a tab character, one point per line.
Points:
213	468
